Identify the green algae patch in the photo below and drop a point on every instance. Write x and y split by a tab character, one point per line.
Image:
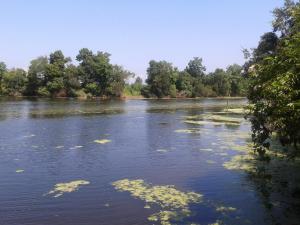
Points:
188	131
174	203
62	188
225	209
76	147
19	171
237	110
210	162
205	150
102	141
202	122
162	150
241	162
59	146
223	119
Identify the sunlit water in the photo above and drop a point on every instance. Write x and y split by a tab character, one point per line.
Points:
44	142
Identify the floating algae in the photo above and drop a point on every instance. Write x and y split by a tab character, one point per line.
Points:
59	146
174	203
76	147
244	162
61	188
188	131
237	110
225	209
223	119
162	150
102	141
19	171
206	149
201	122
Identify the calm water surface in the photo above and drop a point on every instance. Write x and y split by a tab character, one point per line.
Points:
52	141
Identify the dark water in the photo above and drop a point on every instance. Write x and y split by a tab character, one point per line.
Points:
32	130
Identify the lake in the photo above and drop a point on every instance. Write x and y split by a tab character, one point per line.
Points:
125	162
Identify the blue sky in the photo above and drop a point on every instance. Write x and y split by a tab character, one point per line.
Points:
134	31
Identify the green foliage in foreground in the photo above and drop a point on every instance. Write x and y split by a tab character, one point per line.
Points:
274	74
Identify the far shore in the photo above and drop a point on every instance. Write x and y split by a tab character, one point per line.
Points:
121	98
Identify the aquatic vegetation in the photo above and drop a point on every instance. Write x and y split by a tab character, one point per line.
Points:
19	171
244	162
206	149
202	122
210	161
188	131
162	150
174	203
61	188
59	146
102	141
236	110
29	136
223	119
76	147
225	209
218	222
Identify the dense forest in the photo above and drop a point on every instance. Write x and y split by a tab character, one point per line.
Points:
273	71
95	76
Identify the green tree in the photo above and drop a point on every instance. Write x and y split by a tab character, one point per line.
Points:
238	83
3	70
55	74
274	90
36	75
219	81
14	82
162	78
195	68
96	72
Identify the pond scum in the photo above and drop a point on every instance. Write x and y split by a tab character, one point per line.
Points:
174	203
102	141
62	188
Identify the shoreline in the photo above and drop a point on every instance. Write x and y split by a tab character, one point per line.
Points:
119	98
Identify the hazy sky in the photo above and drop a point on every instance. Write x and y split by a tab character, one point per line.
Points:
134	31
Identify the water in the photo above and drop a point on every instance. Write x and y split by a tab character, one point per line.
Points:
52	141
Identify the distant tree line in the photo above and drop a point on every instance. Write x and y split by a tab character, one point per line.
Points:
95	76
165	80
273	70
56	76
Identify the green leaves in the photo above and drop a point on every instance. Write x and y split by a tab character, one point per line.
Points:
275	86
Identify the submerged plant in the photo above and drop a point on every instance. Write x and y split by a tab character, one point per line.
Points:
102	141
174	203
61	188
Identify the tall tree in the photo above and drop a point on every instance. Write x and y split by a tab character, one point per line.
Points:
36	75
3	70
195	68
14	82
274	91
162	78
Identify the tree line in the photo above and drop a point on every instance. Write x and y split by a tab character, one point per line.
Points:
273	71
95	76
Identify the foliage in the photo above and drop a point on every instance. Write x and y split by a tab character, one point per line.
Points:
274	90
195	68
36	75
161	79
166	81
134	89
13	82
